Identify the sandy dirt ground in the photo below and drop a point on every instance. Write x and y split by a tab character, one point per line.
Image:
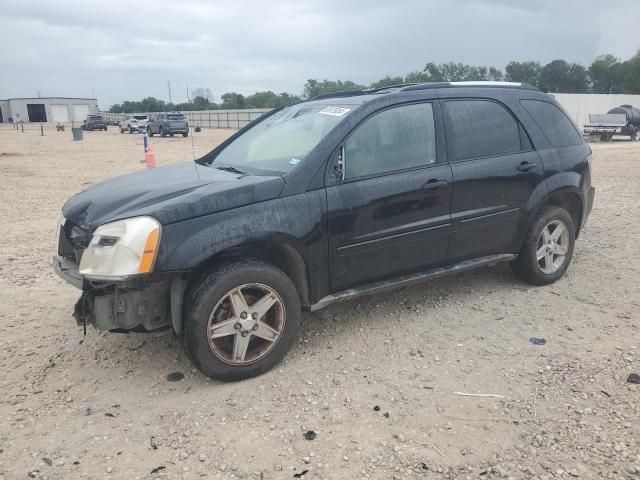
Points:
374	379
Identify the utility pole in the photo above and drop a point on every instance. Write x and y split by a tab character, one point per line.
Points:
169	84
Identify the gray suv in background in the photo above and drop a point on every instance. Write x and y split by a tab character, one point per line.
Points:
168	123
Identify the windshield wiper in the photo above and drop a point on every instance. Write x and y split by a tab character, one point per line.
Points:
232	170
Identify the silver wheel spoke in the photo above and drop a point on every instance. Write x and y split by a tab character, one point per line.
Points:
238	303
262	306
560	250
223	329
240	346
548	261
540	253
265	332
545	234
557	232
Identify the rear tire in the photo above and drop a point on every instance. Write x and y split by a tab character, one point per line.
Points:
121	130
185	134
548	247
130	130
149	132
225	357
162	132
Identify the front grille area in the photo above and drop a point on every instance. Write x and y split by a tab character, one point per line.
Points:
72	242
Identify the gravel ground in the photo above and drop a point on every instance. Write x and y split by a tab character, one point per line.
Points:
374	379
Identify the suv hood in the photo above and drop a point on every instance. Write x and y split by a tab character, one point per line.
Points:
170	194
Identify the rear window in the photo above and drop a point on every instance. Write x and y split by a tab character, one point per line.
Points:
175	116
554	123
483	128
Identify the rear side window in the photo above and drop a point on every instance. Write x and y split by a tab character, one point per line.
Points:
482	128
556	126
392	140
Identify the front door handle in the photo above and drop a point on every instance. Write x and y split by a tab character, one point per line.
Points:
526	166
433	184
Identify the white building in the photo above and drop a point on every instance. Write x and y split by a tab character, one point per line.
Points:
47	109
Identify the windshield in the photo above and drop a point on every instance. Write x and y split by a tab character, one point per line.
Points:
176	116
140	117
283	140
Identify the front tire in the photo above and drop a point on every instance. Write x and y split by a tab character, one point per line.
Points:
240	320
121	130
162	132
149	132
548	247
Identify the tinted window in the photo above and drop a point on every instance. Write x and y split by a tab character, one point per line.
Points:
553	122
482	128
175	116
396	139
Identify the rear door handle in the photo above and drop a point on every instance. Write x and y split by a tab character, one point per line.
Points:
433	184
526	166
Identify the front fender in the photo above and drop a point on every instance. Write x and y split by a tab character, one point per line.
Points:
296	220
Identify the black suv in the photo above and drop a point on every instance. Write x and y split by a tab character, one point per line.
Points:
168	123
343	195
94	122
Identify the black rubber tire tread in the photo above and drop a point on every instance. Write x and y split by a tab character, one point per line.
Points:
526	265
205	294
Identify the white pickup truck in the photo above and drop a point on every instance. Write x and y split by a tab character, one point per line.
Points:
134	123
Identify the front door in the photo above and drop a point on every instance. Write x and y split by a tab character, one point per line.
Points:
495	170
391	213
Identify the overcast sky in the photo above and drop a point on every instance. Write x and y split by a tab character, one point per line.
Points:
128	50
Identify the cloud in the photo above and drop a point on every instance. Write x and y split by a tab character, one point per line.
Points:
128	50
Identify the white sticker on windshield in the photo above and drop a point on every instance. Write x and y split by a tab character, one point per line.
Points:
335	111
294	161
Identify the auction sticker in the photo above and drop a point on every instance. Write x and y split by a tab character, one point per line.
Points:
335	111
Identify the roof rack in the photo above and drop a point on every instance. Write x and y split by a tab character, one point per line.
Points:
408	87
344	93
493	84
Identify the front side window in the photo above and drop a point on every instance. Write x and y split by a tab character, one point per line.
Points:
395	139
283	140
482	128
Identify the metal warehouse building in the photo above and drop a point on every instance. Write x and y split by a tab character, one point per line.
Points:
47	109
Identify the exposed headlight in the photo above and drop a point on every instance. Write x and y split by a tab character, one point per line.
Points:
121	248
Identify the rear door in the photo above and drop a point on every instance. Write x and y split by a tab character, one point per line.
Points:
390	215
495	170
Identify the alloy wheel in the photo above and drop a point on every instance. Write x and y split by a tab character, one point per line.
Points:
246	324
552	247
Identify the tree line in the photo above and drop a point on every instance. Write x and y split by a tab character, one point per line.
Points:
606	74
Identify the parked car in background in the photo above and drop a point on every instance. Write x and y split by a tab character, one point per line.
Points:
134	123
346	194
94	122
168	123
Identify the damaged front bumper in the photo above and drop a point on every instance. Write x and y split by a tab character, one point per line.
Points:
137	305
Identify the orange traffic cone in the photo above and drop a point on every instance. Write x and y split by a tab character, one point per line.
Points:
150	158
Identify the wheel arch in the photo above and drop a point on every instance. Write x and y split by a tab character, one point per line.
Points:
274	250
567	197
